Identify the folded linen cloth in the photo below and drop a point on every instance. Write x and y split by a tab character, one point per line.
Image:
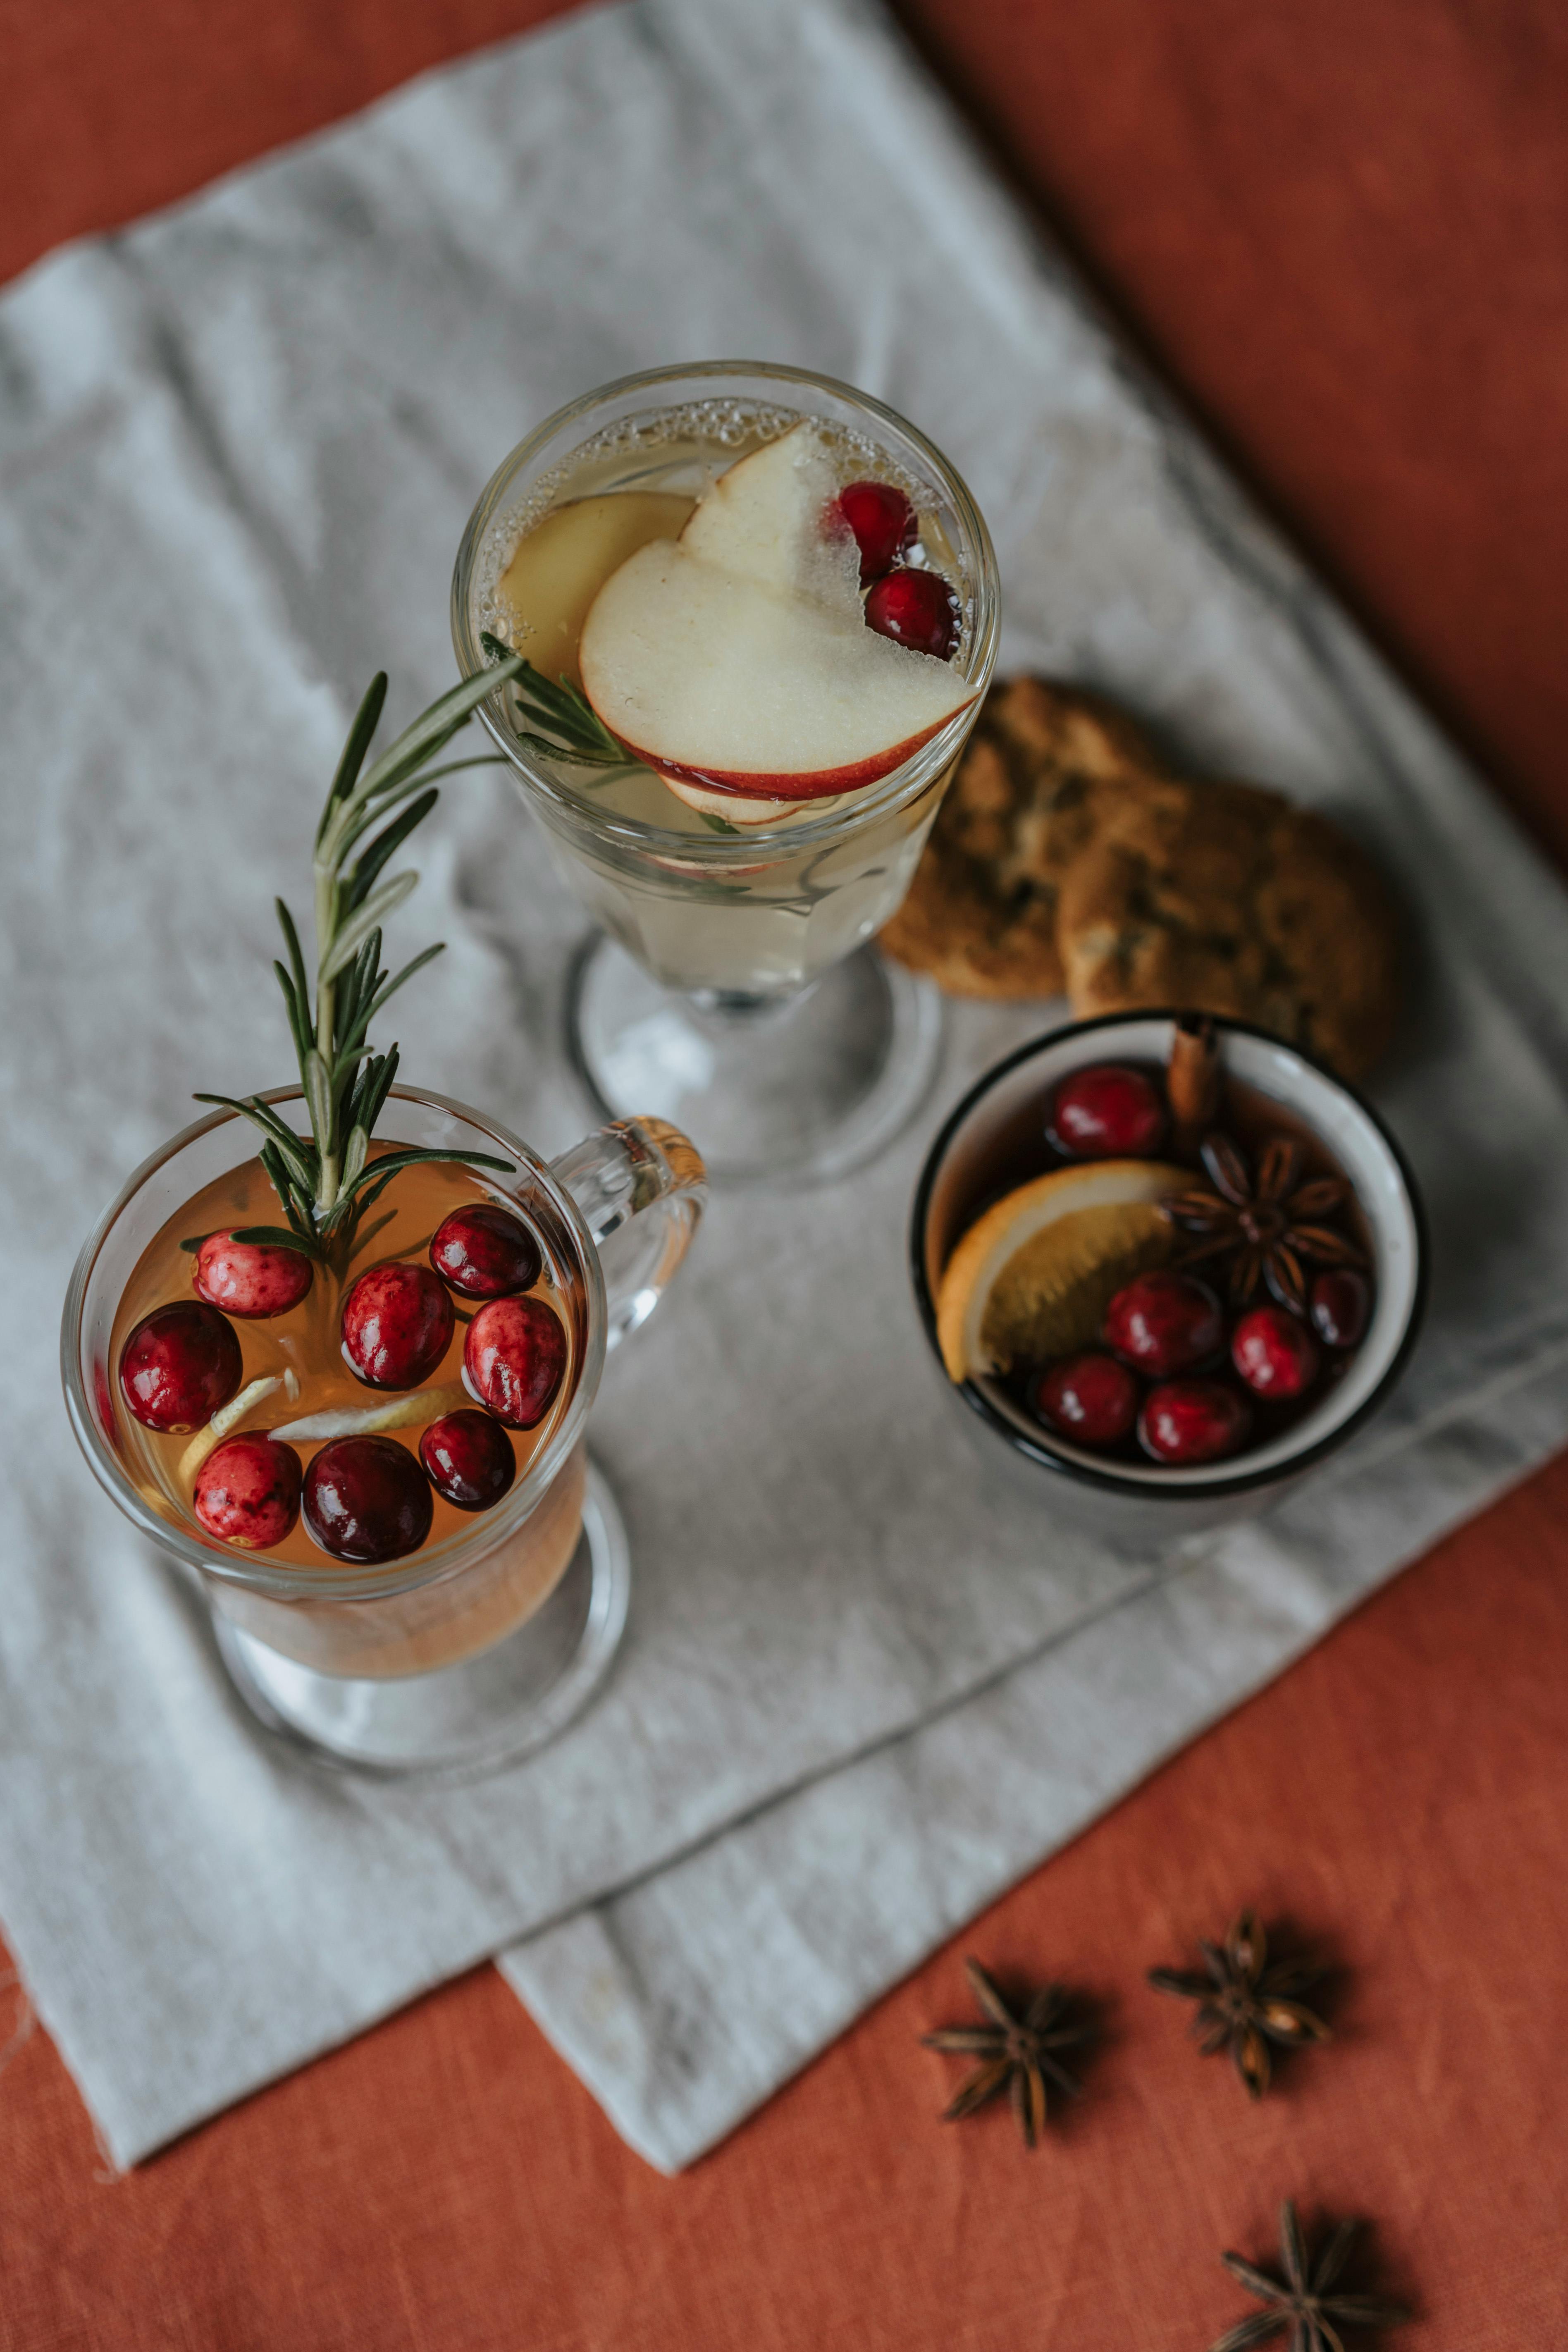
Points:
861	1692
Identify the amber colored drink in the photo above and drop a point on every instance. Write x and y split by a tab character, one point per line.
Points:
405	1632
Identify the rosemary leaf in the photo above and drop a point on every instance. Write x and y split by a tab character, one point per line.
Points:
291	1145
380	1172
406	974
346	1084
544	749
455	768
296	958
355	1152
268	1237
430	732
319	1094
369	917
377	1087
297	1025
366	719
384	845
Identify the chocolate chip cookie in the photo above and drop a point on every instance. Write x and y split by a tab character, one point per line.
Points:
1222	898
981	916
1067	855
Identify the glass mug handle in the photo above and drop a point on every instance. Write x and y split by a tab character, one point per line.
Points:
633	1165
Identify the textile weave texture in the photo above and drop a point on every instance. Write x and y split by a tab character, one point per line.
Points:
240	470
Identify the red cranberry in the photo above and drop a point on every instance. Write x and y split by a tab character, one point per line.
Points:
1107	1113
250	1279
484	1252
367	1499
248	1492
1092	1398
468	1460
514	1358
917	609
181	1364
398	1323
883	522
1275	1353
1187	1421
1341	1303
1165	1323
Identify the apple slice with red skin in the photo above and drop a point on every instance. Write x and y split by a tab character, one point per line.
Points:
736	659
773	517
726	807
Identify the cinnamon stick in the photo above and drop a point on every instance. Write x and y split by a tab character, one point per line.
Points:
1192	1080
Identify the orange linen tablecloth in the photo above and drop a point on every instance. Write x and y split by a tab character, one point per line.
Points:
1342	229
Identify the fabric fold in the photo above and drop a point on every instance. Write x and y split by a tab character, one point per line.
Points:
862	1689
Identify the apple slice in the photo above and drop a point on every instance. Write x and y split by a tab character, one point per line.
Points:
729	808
773	517
736	659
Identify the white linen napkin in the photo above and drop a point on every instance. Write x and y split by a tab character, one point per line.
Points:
862	1690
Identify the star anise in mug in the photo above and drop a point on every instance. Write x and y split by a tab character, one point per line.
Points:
1244	2003
1302	2300
1266	1224
1014	2052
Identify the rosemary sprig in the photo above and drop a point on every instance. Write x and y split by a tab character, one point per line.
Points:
326	1180
577	732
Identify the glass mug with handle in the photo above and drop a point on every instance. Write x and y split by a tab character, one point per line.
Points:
483	1643
732	987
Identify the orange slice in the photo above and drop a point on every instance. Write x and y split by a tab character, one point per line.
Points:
1031	1279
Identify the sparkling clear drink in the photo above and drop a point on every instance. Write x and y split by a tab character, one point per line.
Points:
790	897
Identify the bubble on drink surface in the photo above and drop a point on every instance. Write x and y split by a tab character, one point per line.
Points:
723	421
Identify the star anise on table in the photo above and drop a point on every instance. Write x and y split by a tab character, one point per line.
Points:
1301	2301
1244	2003
1014	2052
1265	1223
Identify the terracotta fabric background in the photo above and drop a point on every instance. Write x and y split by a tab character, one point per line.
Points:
1342	229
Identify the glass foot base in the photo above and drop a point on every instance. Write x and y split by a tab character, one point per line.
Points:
465	1719
792	1090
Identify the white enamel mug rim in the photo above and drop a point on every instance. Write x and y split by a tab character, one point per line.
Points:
1347	1126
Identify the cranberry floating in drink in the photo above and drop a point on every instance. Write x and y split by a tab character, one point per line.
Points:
180	1366
248	1492
884	523
1165	1323
1107	1113
484	1252
917	609
1092	1398
1274	1353
1340	1304
397	1324
367	1500
514	1358
468	1460
1187	1423
255	1280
